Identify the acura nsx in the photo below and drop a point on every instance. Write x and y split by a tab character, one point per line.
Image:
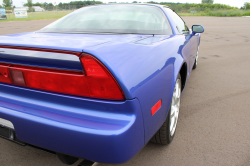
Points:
99	83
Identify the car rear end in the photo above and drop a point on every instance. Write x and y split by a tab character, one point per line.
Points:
68	102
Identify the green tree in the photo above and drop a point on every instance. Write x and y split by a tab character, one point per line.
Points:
207	1
44	4
7	3
29	3
50	4
37	4
246	5
60	5
152	2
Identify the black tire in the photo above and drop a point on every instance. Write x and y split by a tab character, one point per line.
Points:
195	64
66	159
163	135
196	59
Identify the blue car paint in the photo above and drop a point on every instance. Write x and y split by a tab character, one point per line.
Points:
102	131
146	71
145	66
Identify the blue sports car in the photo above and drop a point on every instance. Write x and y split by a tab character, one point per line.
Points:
99	83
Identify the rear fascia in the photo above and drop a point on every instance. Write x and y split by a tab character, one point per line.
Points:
97	130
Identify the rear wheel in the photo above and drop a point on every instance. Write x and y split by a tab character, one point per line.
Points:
167	131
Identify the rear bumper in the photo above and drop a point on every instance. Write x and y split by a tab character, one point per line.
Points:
97	130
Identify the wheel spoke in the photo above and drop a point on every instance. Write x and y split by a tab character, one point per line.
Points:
172	115
175	106
178	102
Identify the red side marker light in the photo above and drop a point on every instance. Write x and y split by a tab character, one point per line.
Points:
156	107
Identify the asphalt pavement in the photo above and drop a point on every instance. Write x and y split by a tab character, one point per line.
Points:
214	120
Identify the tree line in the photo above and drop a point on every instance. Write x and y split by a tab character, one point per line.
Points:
170	4
61	5
193	5
205	4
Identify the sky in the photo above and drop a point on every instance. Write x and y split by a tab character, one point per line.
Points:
236	3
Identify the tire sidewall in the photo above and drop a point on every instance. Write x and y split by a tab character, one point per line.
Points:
169	136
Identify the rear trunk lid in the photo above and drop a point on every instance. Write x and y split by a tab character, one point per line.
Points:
39	58
53	41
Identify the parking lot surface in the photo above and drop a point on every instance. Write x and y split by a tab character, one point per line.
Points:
214	120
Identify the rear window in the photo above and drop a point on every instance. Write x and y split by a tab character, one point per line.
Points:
127	19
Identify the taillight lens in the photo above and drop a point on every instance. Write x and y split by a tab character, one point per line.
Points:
4	74
50	80
95	81
17	77
100	81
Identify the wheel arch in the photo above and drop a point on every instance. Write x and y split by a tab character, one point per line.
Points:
183	73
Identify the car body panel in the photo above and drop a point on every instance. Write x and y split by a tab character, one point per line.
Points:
146	68
74	125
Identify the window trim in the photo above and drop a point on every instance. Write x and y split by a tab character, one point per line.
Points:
182	32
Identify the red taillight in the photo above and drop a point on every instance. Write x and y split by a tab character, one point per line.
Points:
95	81
4	74
17	77
50	80
100	81
92	67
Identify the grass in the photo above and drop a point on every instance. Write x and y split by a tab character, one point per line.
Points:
38	16
247	13
219	13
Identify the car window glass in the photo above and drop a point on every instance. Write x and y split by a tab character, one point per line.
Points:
113	19
181	26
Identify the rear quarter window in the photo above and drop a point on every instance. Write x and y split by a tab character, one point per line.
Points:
180	24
